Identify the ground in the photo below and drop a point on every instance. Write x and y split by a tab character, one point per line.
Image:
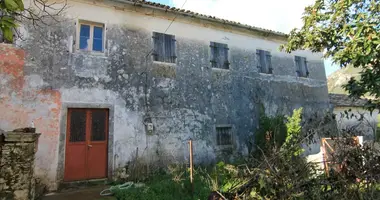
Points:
92	193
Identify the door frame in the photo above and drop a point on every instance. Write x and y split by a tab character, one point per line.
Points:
63	133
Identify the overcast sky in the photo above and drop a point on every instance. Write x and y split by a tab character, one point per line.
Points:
279	15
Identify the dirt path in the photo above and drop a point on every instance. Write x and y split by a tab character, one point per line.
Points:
92	193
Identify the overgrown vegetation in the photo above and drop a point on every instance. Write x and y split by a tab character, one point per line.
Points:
277	169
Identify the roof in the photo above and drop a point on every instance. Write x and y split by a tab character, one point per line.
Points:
344	100
201	16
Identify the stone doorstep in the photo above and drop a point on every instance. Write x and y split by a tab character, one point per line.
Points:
20	137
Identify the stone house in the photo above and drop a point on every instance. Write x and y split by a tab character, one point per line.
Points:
351	115
118	79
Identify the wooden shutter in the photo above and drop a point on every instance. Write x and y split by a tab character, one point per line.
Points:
213	50
269	69
306	68
259	66
298	66
225	63
158	52
261	61
173	55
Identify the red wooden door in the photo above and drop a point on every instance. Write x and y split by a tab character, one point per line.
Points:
86	144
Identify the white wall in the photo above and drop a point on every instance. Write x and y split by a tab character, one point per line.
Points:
149	21
367	125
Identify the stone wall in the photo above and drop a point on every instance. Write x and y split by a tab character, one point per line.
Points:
17	156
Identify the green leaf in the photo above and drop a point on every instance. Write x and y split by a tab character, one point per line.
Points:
7	33
7	21
11	5
20	4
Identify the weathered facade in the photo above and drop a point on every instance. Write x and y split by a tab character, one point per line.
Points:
185	99
351	115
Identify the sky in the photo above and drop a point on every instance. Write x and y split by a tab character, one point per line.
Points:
278	15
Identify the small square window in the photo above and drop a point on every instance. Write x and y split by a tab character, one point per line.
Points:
164	47
224	135
301	65
91	36
219	55
264	61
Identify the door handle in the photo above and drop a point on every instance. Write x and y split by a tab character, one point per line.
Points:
90	145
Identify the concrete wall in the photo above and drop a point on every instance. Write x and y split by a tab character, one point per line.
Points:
367	126
183	100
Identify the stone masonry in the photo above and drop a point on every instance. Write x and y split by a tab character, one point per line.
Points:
17	156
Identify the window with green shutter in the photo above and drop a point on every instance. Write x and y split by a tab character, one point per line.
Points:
164	47
219	55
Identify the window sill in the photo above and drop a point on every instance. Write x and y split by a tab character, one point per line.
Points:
224	147
164	63
266	74
90	53
302	77
220	69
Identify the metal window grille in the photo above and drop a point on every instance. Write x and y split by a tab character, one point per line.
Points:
98	125
78	126
224	136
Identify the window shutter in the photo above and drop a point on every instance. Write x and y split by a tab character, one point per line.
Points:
268	62
259	66
263	63
155	46
158	46
298	66
306	68
167	48
173	49
213	50
226	63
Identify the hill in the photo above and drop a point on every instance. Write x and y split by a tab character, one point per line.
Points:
337	79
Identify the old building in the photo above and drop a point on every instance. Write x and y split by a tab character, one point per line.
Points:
115	79
352	116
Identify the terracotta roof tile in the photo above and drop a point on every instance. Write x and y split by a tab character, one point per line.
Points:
195	14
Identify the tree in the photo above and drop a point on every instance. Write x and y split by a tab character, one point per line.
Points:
14	12
348	31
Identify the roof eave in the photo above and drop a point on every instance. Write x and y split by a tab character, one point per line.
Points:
203	17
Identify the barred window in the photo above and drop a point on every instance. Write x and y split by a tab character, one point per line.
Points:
264	61
164	47
224	135
219	55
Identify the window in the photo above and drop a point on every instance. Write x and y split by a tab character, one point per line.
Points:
264	61
91	36
301	64
219	55
164	47
224	135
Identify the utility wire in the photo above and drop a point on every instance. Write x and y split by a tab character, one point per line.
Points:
175	17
